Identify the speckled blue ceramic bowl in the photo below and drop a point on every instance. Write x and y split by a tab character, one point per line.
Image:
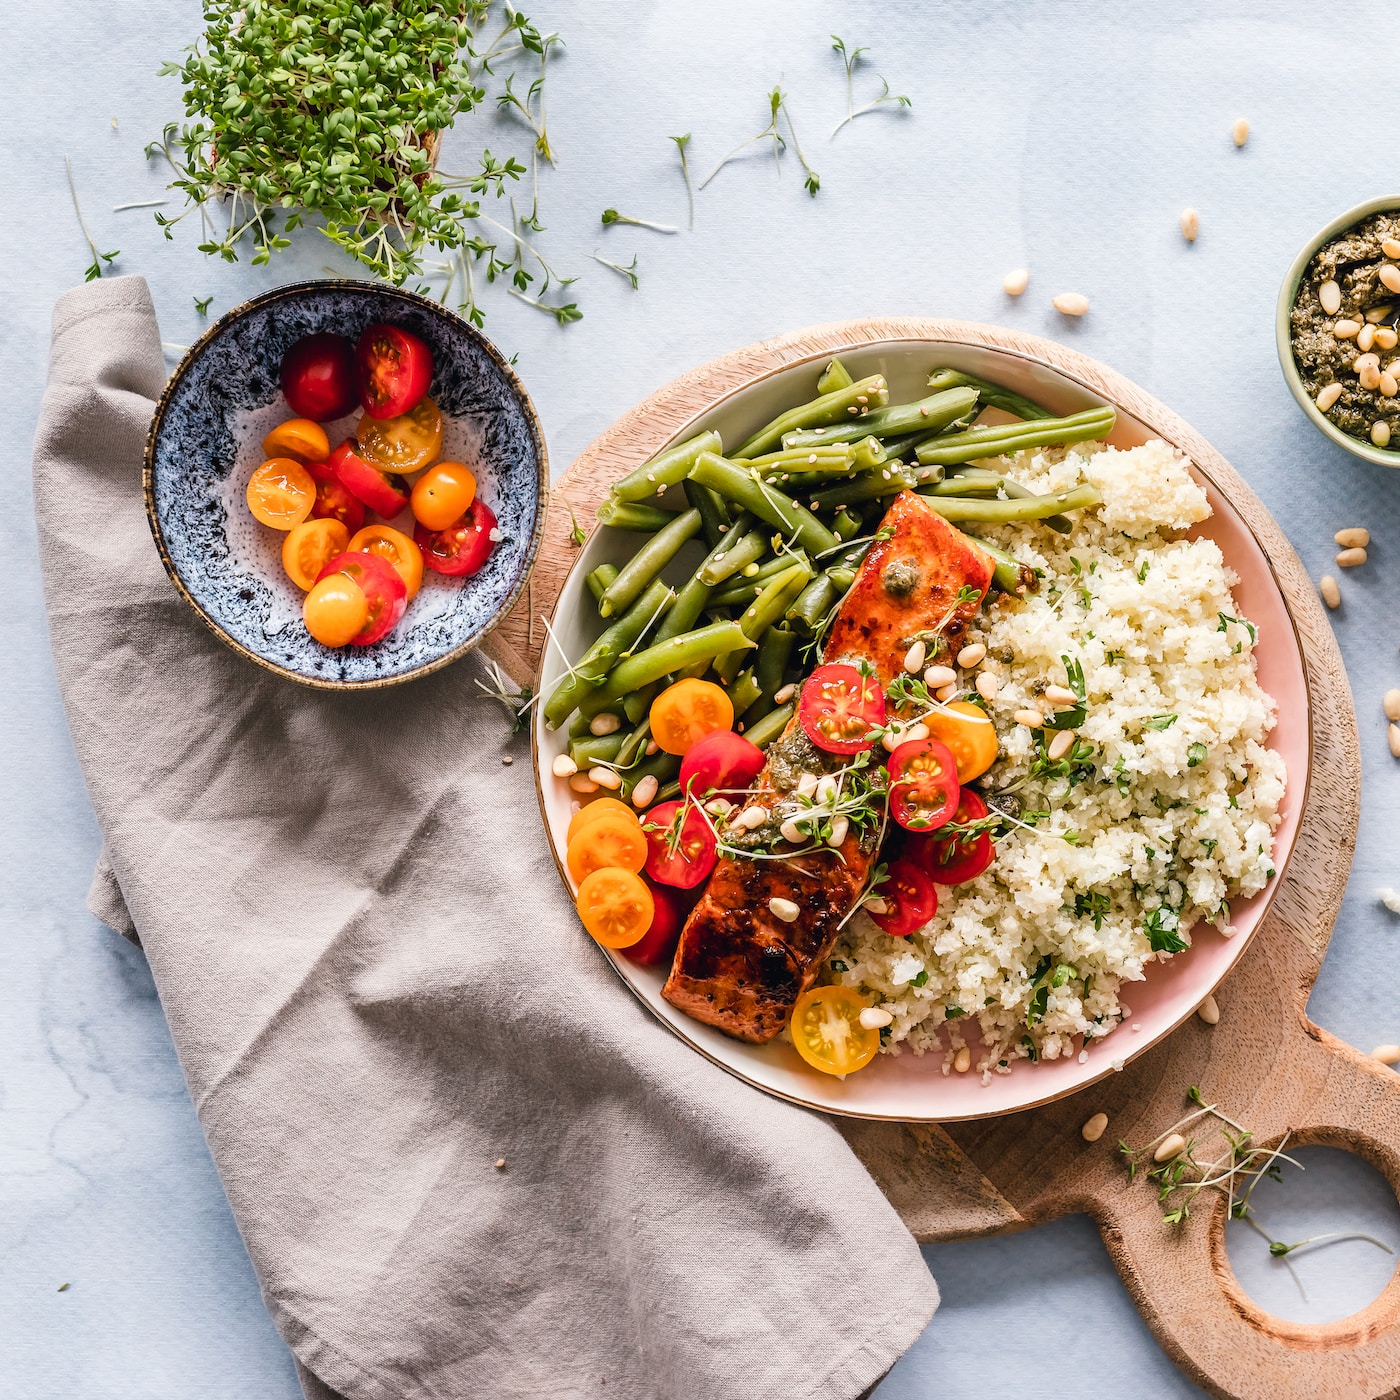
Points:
205	441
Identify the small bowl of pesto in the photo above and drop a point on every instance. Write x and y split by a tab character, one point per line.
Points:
1338	330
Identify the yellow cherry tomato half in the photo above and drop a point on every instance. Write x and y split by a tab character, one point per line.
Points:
599	807
402	444
309	547
827	1032
685	712
336	610
442	495
396	548
616	907
298	438
610	843
281	493
969	734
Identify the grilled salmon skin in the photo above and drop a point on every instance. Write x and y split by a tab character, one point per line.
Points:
738	966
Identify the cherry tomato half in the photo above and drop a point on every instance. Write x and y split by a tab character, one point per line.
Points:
679	852
616	907
309	546
970	735
658	943
839	707
403	444
395	548
335	610
923	784
827	1032
685	712
300	439
911	899
443	494
367	483
720	762
610	843
395	370
384	592
462	548
595	809
281	493
334	502
318	377
950	860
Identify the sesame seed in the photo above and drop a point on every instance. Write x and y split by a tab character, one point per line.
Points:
923	410
651	476
495	535
812	458
860	398
507	759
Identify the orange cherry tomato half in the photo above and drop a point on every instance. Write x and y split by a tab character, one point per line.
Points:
281	493
464	547
969	734
393	545
335	610
658	943
402	444
309	547
385	593
600	806
610	843
395	369
616	907
442	494
686	712
367	483
334	502
827	1032
298	438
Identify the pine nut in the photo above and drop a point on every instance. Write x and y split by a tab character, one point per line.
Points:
1071	303
1060	745
1389	274
877	905
751	818
971	656
581	782
1389	385
1173	1145
807	785
1377	314
875	1017
937	676
1328	395
783	909
563	766
644	794
1329	296
1032	719
1350	558
1392	736
1369	377
1380	433
1190	224
1093	1128
1390	898
1386	337
719	807
605	778
1369	361
962	1061
1390	703
1390	248
1386	1054
1366	338
792	833
1346	329
840	824
987	685
1059	695
1209	1011
825	790
1353	537
781	697
604	724
1331	592
945	693
1016	281
914	658
1239	134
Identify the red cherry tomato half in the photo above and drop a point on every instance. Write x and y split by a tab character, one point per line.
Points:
681	856
720	762
923	784
384	591
461	549
334	502
318	377
366	483
395	369
911	899
839	707
659	941
950	860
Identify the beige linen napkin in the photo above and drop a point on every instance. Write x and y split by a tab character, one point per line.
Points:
378	989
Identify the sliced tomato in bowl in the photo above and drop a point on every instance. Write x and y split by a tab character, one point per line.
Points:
403	444
680	845
318	377
460	550
334	502
923	785
395	369
384	591
910	899
367	483
720	762
839	708
953	859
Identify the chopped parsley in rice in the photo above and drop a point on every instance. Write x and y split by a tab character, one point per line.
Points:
1164	811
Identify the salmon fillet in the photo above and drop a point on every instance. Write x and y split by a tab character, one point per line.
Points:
738	966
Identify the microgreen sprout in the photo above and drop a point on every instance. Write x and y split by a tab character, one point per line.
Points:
769	132
518	700
139	204
202	307
629	270
611	216
813	181
578	536
850	57
681	143
94	269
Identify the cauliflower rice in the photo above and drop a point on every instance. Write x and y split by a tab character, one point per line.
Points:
1174	799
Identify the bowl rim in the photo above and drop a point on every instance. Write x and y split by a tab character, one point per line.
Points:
290	291
1283	336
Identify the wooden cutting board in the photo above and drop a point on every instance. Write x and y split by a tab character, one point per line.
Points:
1265	1063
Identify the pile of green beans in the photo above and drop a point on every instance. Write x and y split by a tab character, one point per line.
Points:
784	522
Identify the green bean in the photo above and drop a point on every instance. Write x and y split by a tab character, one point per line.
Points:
597	749
693	673
714	517
579	729
835	376
635	747
685	611
842	577
661	765
1010	575
972	481
838	457
627	515
846	526
669	792
737	485
1004	512
989	393
648	562
774	653
813	604
638	703
744	691
1008	438
868	452
599	580
766	610
770	726
888	481
926	416
740	592
855	401
748	549
666	468
703	644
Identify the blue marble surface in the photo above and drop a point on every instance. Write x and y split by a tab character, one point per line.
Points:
1063	136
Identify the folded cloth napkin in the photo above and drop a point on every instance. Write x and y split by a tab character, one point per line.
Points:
464	1159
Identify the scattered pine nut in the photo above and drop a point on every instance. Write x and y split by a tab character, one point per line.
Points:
1390	703
1173	1145
719	807
1328	395
1393	739
793	834
1366	338
1389	385
1093	1128
987	685
1367	361
1346	329
1331	592
971	656
605	778
840	824
1190	224
962	1061
1071	303
563	766
1060	695
1389	274
874	1017
1380	433
1329	295
784	909
653	748
1369	377
1353	537
1350	558
1239	133
751	818
1032	719
945	693
1016	281
1390	898
938	676
1386	1054
507	759
500	1164
644	794
1060	745
581	782
781	697
1386	337
914	658
1209	1011
605	723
